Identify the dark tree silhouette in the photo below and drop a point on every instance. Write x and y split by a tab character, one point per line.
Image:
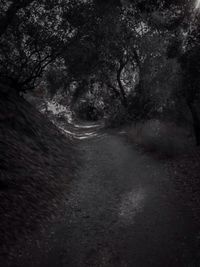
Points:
10	14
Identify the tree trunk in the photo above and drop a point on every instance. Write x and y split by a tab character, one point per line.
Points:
122	92
196	122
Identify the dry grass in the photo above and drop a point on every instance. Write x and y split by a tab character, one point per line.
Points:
185	172
162	138
37	163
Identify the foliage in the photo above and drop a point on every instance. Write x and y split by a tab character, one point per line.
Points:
86	110
135	54
36	38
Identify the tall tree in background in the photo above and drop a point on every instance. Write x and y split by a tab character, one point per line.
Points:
190	63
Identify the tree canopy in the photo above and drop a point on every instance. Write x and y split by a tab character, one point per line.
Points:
130	49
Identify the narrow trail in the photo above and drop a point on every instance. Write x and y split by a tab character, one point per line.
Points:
122	211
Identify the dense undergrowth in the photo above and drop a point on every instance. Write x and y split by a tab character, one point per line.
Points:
161	138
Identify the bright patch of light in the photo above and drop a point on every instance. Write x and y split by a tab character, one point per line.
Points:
198	4
131	204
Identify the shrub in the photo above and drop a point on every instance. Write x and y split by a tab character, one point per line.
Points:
86	110
163	138
117	117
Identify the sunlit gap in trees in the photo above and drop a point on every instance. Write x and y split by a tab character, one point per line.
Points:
197	4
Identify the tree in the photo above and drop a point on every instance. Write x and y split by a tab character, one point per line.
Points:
37	37
123	46
11	12
184	47
102	49
190	63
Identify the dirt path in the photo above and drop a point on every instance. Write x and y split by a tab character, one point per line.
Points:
122	211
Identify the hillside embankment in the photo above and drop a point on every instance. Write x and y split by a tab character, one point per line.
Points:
36	164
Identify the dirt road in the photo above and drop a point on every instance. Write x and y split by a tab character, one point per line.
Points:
122	211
